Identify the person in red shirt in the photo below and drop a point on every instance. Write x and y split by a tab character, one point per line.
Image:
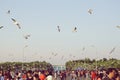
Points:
24	76
42	76
93	75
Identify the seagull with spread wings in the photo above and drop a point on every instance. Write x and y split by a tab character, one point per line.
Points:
90	11
16	23
75	29
58	28
27	36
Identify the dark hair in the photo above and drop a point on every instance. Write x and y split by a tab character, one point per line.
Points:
117	75
36	76
42	71
29	72
100	75
50	72
110	70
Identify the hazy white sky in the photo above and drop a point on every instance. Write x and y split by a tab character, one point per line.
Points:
96	33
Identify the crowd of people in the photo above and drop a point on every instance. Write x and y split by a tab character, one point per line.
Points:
104	74
26	75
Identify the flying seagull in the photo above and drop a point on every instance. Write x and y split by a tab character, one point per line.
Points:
27	36
118	26
112	50
1	27
16	23
58	28
90	11
8	12
75	29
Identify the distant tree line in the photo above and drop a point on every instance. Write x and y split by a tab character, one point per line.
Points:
92	64
26	66
70	65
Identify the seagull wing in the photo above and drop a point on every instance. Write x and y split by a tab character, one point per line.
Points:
18	25
13	20
28	35
1	27
58	28
112	50
25	37
75	29
90	11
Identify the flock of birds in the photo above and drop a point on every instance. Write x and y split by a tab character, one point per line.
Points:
26	36
90	11
14	21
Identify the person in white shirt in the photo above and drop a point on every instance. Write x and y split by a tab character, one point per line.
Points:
49	77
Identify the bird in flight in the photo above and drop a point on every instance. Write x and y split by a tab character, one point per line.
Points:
8	12
75	29
118	26
112	50
27	36
90	11
16	23
58	28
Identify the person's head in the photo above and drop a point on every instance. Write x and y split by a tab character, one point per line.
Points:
42	71
111	72
36	77
29	73
100	75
